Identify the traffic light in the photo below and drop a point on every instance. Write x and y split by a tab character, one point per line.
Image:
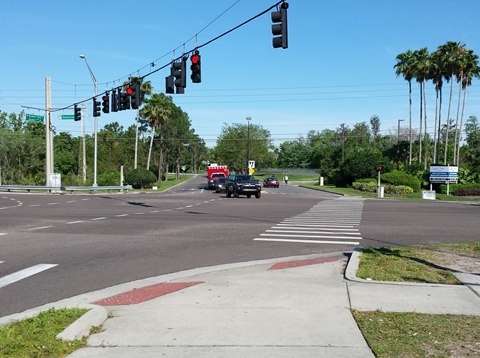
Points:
106	103
379	168
114	99
178	71
196	75
279	27
169	84
133	91
77	113
96	108
124	101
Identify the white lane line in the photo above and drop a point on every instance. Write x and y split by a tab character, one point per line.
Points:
52	204
315	236
120	215
40	228
323	227
19	275
3	233
75	222
71	201
311	241
102	218
34	205
312	232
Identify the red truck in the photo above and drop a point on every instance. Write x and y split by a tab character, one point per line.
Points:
215	172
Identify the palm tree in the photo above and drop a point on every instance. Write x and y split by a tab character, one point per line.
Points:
422	69
157	110
437	75
146	89
404	67
468	69
450	52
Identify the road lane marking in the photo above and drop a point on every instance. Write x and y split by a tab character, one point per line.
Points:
75	222
20	275
40	228
310	241
102	218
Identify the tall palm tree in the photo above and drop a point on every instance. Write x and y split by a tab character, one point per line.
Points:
469	69
146	89
437	75
422	69
157	110
405	67
451	52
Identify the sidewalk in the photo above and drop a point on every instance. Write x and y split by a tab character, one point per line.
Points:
290	307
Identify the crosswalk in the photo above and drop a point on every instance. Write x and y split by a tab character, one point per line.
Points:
22	274
329	222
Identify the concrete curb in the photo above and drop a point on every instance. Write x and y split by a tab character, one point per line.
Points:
82	326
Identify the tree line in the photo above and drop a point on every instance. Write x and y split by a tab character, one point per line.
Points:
162	139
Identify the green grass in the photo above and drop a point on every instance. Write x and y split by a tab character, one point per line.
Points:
412	334
412	196
413	264
36	336
391	334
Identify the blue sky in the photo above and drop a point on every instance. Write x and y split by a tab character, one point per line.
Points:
338	67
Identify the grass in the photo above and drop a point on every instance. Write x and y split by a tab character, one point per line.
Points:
410	334
411	196
36	336
420	335
412	264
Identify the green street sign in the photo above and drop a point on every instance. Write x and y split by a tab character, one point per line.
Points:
34	117
67	117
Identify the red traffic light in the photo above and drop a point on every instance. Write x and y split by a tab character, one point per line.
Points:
129	91
105	98
195	59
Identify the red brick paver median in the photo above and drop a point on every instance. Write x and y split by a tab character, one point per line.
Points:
143	294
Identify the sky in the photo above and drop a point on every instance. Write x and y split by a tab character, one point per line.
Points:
338	68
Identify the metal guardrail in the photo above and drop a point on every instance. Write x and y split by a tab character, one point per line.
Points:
62	189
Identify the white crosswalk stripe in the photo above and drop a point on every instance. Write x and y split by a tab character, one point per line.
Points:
22	274
328	222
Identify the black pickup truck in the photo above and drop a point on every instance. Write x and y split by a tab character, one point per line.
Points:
242	184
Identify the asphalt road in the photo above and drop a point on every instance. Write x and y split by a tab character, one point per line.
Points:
88	242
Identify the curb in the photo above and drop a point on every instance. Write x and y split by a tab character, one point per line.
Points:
82	326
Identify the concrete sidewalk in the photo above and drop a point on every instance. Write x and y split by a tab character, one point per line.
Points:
290	307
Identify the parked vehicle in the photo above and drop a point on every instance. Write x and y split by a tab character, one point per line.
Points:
220	185
215	172
271	181
243	184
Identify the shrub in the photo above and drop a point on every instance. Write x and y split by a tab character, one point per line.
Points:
370	186
140	178
398	189
398	178
470	189
109	178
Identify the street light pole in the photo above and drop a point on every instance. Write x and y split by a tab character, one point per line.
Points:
95	122
248	141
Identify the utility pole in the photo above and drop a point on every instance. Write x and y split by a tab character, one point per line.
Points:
84	155
48	132
248	142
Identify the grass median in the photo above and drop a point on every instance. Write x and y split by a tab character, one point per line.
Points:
411	334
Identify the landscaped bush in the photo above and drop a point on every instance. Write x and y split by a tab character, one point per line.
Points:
398	189
470	189
140	178
370	186
398	178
